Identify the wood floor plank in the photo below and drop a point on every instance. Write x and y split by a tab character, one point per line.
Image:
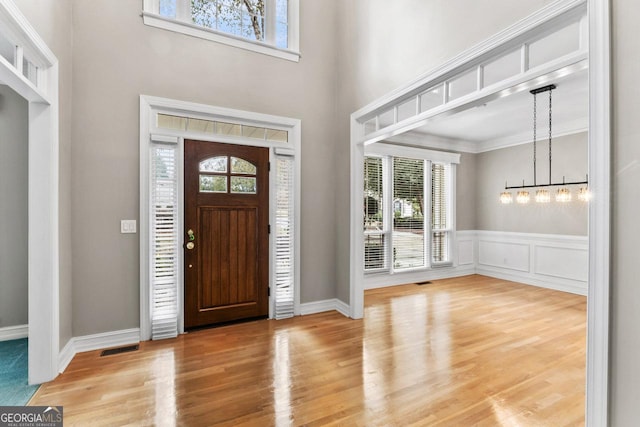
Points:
457	352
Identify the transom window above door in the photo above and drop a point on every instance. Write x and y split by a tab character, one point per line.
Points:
265	26
225	174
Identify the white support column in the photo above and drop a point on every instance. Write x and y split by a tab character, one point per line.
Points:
43	267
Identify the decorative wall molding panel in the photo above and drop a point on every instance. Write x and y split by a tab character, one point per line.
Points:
550	261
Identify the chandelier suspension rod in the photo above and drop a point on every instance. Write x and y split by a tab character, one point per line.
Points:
558	184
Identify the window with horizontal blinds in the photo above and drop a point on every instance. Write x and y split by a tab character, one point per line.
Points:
440	215
164	242
375	239
408	208
284	236
408	213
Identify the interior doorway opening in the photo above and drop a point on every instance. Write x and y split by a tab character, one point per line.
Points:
457	89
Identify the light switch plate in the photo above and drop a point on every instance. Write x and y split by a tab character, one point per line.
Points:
128	226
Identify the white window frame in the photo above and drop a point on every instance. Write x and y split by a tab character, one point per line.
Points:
182	24
451	216
387	152
149	132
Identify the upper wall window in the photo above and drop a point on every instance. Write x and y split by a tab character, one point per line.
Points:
265	26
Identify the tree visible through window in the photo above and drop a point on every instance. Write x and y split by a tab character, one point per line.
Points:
248	19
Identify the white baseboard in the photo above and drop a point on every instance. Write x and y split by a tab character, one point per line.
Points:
557	285
14	332
96	342
324	305
106	340
383	280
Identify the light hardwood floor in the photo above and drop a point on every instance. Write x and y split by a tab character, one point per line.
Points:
458	352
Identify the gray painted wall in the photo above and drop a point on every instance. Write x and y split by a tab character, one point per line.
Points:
466	192
513	164
117	58
14	179
625	172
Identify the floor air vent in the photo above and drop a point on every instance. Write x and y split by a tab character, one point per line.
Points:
126	349
428	282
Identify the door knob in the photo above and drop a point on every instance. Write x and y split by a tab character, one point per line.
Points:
190	245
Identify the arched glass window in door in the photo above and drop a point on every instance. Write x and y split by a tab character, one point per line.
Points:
224	174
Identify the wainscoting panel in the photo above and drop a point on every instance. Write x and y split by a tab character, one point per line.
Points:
550	261
504	254
466	251
574	265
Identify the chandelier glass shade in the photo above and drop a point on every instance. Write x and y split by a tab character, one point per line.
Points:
584	195
506	197
543	196
563	195
523	197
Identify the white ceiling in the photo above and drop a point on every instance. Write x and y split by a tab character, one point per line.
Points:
508	120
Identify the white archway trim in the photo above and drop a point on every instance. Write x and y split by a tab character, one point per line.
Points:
599	175
44	330
597	400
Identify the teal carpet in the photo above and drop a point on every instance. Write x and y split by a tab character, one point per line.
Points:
14	388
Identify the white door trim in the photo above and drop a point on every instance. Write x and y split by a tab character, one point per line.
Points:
43	256
149	107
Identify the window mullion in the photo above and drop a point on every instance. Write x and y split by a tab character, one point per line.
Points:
183	10
387	213
270	22
428	176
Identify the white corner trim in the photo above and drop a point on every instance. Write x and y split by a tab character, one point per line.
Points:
66	356
342	308
14	332
323	306
96	342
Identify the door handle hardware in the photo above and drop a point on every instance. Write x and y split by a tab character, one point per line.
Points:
192	236
190	245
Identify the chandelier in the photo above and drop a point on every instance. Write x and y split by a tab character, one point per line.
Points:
542	194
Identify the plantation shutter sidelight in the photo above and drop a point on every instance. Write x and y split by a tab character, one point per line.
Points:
284	235
164	242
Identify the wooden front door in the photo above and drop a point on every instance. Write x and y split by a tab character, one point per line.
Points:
226	232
